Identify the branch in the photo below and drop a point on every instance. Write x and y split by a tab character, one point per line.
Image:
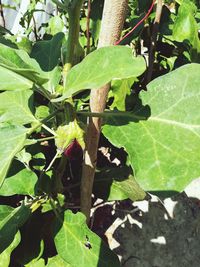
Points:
154	39
138	24
88	27
114	14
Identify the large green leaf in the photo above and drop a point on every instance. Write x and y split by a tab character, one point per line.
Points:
164	149
117	184
22	182
5	255
13	81
102	66
47	53
15	107
71	243
20	62
10	224
12	140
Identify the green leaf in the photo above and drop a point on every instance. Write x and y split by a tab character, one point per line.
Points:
47	53
57	261
117	184
12	140
95	18
31	247
185	21
55	25
5	211
54	77
119	90
19	62
24	157
164	149
102	66
39	263
22	182
126	189
5	255
10	224
13	81
72	233
42	112
16	106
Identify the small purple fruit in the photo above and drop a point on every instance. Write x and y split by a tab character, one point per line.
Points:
74	151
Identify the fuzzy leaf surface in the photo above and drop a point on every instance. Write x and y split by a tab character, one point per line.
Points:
12	140
102	66
72	233
15	107
164	148
19	62
13	81
22	182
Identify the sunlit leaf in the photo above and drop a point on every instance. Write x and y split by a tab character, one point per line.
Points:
19	62
13	81
16	106
90	250
164	149
12	140
102	66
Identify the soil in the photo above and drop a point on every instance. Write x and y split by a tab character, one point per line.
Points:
158	233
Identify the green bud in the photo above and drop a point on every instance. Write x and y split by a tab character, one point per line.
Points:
67	133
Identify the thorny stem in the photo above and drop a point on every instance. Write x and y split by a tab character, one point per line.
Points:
154	39
114	14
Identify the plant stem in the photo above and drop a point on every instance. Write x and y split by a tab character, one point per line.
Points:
154	39
53	160
73	35
112	23
2	19
74	10
48	129
45	139
88	27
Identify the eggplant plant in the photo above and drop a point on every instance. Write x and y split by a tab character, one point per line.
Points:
63	95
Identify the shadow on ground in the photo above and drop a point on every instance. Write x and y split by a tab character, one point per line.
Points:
156	238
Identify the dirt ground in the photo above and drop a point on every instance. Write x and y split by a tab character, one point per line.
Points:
159	233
